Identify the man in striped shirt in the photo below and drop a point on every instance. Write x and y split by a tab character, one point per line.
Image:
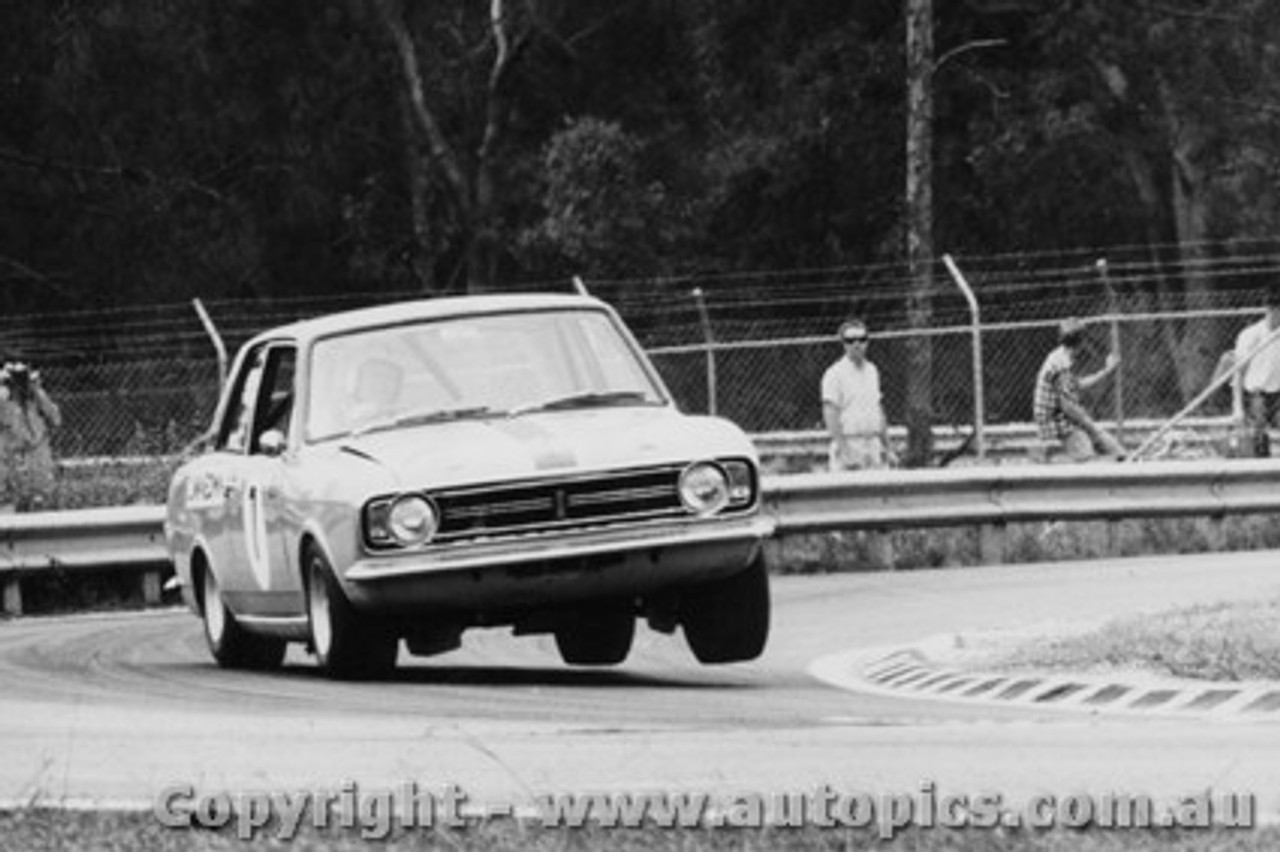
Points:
1064	424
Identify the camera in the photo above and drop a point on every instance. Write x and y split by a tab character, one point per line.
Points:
17	376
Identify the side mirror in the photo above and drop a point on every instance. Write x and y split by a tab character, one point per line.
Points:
271	442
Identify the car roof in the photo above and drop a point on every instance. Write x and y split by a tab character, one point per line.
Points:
427	309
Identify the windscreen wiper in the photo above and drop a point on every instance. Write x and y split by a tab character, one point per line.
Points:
589	399
424	416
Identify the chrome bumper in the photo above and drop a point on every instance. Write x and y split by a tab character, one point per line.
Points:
586	543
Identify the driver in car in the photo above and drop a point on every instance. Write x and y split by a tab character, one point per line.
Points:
376	395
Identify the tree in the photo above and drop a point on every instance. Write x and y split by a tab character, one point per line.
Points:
919	215
601	215
1137	123
467	164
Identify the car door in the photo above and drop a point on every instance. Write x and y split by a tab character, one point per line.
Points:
269	522
252	566
226	540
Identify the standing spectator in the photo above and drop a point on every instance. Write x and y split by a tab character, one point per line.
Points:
852	408
1259	379
27	416
1064	424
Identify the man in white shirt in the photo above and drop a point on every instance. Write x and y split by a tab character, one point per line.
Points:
1260	378
851	406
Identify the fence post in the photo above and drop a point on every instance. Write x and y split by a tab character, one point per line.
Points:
709	343
975	327
1117	383
218	345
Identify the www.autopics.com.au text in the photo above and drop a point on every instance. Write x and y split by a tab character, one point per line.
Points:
375	813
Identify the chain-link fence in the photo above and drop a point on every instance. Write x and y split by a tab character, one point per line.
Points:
774	385
749	347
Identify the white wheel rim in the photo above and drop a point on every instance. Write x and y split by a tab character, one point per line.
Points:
321	626
215	617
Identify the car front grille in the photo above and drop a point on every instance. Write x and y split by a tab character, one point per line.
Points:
561	504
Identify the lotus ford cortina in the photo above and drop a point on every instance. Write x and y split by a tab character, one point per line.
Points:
408	472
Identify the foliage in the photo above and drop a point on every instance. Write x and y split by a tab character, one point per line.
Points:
600	214
155	151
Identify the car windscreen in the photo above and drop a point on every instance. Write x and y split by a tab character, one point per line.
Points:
488	365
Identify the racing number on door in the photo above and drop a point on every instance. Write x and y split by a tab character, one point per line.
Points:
255	534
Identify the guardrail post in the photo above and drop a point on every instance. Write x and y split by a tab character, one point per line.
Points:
881	542
992	539
13	596
1217	534
151	588
1113	538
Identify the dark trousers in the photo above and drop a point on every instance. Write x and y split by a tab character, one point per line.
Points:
1260	412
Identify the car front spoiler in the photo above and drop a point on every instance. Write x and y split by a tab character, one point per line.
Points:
584	543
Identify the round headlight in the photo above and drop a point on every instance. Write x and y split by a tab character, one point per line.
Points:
412	520
704	489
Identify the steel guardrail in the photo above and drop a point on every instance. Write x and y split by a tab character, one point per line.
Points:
121	539
131	539
1103	491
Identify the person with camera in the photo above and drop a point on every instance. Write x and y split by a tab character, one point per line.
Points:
27	418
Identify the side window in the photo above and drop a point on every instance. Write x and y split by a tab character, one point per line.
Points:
274	406
233	435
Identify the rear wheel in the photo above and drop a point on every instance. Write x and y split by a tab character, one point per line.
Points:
727	620
597	639
346	646
231	645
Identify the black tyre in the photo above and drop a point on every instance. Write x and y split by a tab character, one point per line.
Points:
231	645
346	646
597	639
727	620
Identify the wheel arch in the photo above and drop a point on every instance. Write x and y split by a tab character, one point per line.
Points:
312	536
199	565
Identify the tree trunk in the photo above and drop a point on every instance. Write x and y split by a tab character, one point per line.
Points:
421	249
1200	342
483	254
919	229
1174	193
442	159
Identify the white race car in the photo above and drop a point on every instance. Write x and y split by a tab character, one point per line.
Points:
413	470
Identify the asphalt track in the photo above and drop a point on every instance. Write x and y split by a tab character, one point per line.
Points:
113	709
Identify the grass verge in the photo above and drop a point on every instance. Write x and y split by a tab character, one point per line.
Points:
1220	642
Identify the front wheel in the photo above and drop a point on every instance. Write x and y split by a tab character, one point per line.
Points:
727	620
346	646
597	638
232	646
